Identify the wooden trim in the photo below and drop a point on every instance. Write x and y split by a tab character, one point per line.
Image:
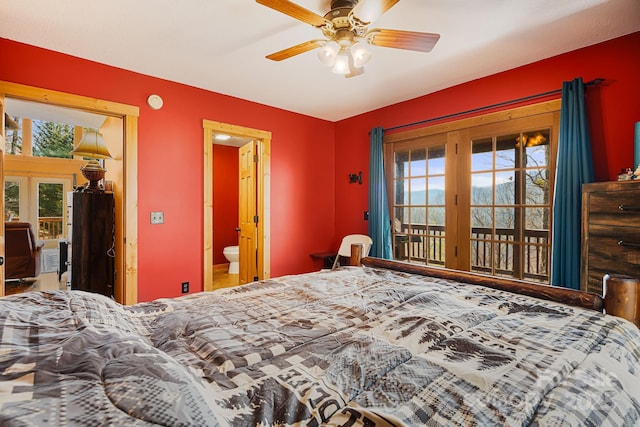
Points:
207	156
126	289
264	208
62	99
561	295
264	195
27	137
459	124
130	210
2	145
42	166
221	267
234	130
454	196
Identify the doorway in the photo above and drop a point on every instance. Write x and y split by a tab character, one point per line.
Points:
123	119
261	143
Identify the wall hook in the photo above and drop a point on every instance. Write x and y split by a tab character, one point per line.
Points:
355	177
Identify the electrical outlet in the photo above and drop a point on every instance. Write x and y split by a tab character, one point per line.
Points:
157	217
185	287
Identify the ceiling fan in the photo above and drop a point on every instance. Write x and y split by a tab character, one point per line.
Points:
346	31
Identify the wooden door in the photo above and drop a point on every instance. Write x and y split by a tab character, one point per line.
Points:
248	214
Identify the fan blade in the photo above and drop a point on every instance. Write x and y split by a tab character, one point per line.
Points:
398	39
295	50
368	11
295	11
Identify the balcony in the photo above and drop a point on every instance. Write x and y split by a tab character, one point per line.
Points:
50	228
496	254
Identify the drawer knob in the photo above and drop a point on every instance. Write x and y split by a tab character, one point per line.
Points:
629	244
629	208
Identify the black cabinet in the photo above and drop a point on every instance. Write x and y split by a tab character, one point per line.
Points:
92	242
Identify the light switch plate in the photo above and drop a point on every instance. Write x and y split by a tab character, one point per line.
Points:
157	217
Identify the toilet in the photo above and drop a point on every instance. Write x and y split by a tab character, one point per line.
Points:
232	254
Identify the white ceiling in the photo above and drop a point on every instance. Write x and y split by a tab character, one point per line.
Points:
220	45
53	113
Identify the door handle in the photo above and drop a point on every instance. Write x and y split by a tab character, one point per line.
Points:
237	228
1	260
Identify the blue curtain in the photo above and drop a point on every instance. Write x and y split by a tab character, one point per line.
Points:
379	222
573	168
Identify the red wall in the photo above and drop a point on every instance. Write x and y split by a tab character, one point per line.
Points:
312	203
170	166
225	200
613	108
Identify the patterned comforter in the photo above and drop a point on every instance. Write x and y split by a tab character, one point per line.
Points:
354	347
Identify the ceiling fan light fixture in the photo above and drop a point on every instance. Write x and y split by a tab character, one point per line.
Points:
360	54
328	53
346	31
341	65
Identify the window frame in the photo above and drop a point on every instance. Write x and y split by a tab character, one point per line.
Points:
458	136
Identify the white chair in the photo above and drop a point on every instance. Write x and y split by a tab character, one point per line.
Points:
345	247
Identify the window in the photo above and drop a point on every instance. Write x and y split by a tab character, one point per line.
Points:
13	137
50	210
476	195
40	138
38	200
510	205
12	196
419	204
51	139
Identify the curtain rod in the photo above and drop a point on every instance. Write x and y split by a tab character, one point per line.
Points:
595	81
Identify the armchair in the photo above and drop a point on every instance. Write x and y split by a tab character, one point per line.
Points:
22	252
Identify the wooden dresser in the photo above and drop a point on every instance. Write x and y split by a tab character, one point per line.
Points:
610	232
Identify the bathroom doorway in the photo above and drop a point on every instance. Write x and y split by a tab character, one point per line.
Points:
252	236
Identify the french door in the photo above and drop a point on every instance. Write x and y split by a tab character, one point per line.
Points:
40	201
510	174
475	197
422	174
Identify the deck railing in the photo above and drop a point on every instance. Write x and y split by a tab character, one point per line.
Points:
50	227
493	251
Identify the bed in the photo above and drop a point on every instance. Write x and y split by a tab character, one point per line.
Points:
358	346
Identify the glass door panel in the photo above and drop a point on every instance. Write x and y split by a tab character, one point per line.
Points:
50	211
419	203
510	205
15	198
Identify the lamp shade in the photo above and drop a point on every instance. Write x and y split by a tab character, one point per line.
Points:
341	66
327	54
92	145
360	55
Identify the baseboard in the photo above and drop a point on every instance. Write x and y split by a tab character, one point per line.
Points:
219	267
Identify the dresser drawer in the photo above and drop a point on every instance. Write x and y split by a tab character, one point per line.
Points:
615	245
610	232
608	236
606	254
615	208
